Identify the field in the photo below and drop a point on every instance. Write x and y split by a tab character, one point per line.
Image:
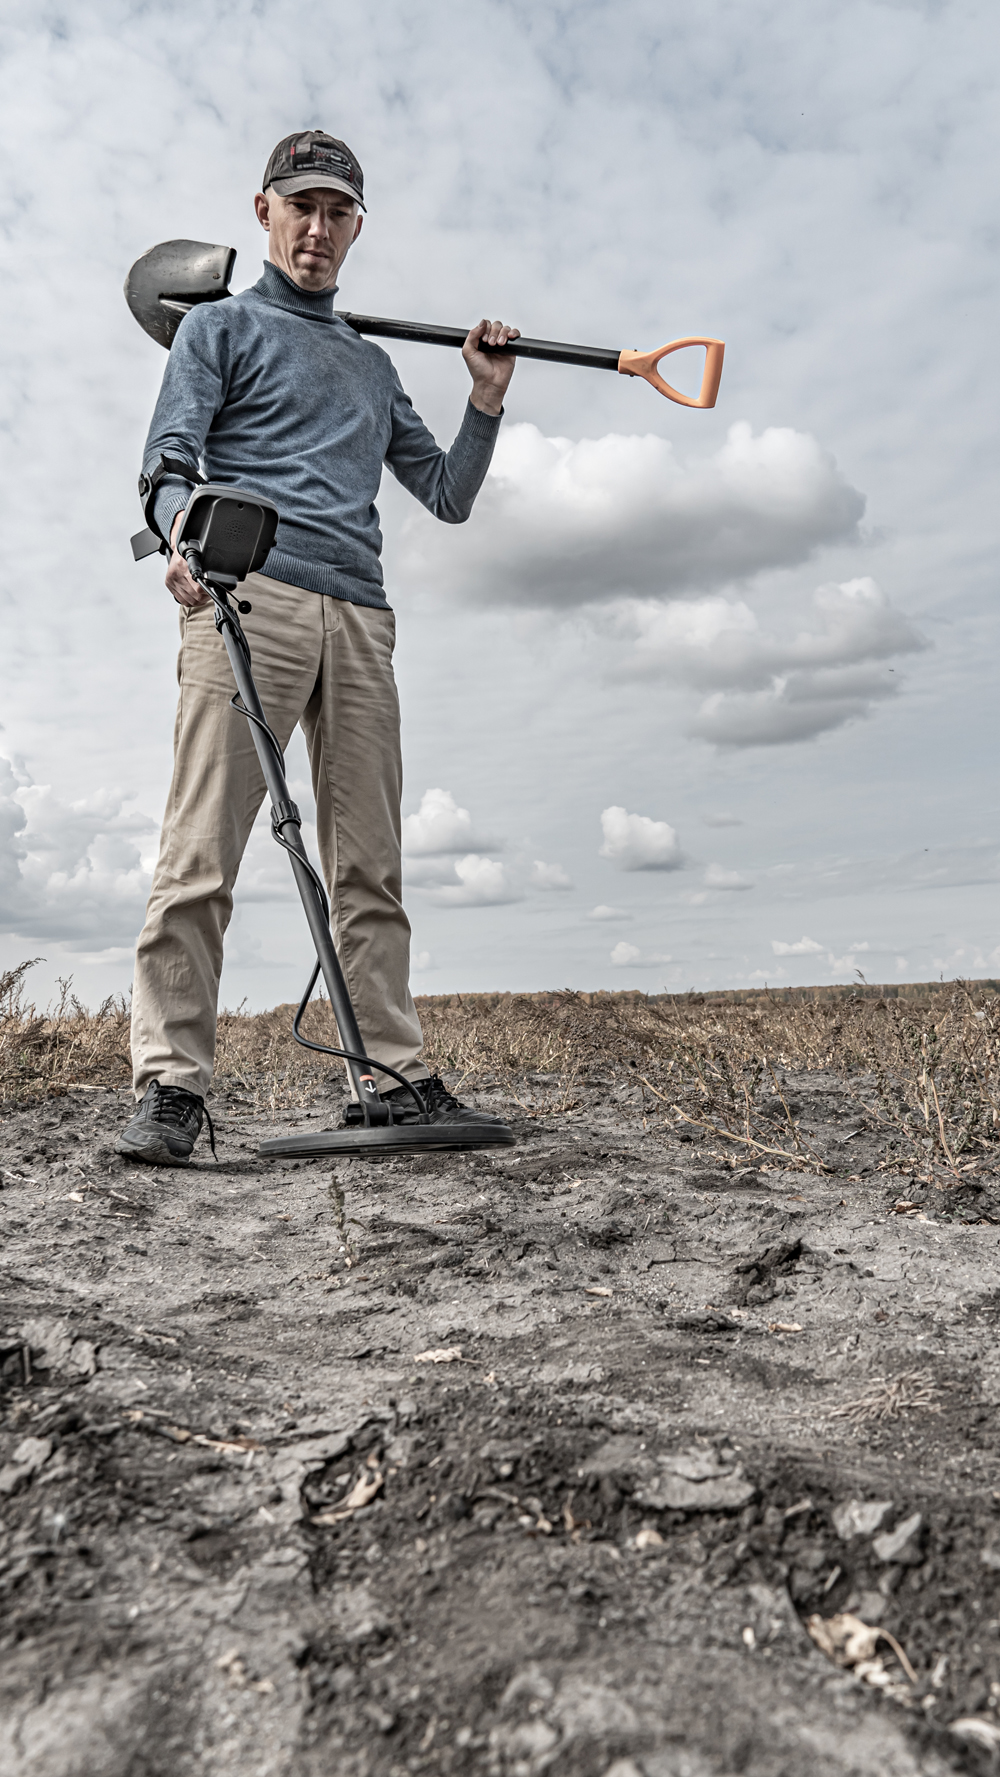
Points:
663	1444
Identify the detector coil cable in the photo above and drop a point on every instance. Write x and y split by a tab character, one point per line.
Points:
225	617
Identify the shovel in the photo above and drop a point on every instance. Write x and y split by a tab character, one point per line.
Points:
172	278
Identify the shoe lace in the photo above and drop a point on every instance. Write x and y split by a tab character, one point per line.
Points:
435	1094
172	1105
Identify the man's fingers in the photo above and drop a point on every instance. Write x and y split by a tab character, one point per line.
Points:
181	586
492	333
490	373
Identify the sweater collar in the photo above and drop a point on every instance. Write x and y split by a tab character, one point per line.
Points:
279	290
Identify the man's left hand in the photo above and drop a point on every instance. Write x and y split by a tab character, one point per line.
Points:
490	371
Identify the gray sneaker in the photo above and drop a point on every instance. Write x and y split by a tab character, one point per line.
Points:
165	1127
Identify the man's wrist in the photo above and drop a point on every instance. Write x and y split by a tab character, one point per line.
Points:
487	401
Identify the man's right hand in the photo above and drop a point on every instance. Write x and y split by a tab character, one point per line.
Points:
179	581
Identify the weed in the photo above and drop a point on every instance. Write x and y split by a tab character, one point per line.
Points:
887	1397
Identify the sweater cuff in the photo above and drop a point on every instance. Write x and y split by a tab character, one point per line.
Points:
171	498
479	424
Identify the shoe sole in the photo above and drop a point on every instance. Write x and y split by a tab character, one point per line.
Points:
397	1138
151	1150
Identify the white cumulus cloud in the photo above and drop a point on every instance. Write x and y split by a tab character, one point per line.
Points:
549	876
474	881
439	827
802	947
625	956
637	842
439	830
562	523
603	912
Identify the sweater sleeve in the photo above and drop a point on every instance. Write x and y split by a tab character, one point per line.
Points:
446	482
192	392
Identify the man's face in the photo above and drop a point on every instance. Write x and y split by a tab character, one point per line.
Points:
309	233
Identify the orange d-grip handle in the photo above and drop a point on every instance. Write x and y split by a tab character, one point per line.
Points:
644	364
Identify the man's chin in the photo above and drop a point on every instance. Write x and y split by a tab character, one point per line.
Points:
312	275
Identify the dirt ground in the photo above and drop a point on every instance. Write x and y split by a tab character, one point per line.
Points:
249	1525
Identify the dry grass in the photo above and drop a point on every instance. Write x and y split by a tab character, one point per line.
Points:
889	1396
42	1052
923	1069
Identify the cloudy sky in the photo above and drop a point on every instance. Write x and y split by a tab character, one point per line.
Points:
695	699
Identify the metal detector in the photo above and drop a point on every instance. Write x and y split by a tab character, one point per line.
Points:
174	277
225	535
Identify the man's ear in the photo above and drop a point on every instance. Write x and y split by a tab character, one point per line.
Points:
263	209
357	228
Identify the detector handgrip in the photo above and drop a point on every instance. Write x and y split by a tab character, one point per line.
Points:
644	364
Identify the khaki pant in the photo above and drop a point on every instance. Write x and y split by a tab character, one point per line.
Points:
328	665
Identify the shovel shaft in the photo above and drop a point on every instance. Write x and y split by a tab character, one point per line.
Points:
550	350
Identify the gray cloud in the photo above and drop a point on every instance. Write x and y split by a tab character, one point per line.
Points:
549	876
794	708
717	643
563	524
718	877
629	956
897	874
73	872
768	688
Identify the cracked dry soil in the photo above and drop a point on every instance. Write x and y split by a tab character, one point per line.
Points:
244	1529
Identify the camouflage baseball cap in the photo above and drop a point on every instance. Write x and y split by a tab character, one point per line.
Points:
311	158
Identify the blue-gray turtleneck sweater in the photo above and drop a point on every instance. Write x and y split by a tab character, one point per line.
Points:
271	392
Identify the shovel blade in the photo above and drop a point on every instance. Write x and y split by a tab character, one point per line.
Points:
168	280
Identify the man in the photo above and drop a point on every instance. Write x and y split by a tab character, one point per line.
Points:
274	393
